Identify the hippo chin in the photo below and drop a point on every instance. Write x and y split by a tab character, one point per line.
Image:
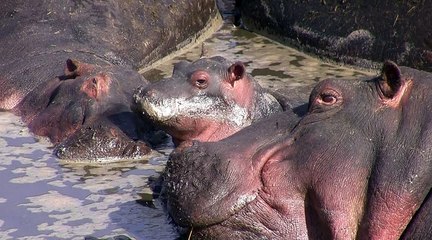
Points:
358	165
207	100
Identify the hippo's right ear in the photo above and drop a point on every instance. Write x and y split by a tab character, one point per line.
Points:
180	68
236	72
391	80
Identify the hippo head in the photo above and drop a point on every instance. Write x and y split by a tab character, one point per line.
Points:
205	100
86	112
358	165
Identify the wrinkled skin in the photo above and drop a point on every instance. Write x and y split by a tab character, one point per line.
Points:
357	166
206	100
85	110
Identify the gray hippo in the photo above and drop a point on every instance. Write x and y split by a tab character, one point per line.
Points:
352	32
210	99
358	165
69	69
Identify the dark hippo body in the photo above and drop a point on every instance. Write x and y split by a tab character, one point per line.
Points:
109	41
207	100
358	165
354	32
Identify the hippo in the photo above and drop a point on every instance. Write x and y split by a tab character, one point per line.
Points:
86	113
350	32
357	165
208	100
69	69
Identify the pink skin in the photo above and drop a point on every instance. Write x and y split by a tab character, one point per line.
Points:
344	171
237	88
11	97
202	130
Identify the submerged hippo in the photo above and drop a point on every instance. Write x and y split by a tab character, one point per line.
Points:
207	100
85	109
86	113
358	165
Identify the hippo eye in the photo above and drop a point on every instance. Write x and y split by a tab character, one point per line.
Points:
325	98
200	79
328	98
201	83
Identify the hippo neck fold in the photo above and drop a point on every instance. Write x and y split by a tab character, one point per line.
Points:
264	104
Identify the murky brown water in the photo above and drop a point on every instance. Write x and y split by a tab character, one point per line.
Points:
44	198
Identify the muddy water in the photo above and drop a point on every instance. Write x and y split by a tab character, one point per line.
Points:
44	198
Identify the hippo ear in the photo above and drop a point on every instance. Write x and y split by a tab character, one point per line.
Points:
180	68
236	72
76	68
72	67
391	79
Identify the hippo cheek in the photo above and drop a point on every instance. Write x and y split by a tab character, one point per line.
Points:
210	195
217	190
101	144
57	123
282	192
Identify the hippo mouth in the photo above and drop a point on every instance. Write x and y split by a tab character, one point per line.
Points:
241	225
238	224
101	143
162	111
168	110
109	152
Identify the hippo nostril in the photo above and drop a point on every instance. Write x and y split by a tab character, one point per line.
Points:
151	93
140	91
147	93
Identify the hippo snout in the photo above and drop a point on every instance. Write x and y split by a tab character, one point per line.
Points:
149	103
144	91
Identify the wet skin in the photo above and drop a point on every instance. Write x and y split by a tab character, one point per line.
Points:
86	113
356	166
206	100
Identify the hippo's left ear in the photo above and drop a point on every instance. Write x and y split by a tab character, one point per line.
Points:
71	67
391	79
76	68
236	72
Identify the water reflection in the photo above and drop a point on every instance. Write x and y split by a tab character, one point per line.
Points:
44	198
